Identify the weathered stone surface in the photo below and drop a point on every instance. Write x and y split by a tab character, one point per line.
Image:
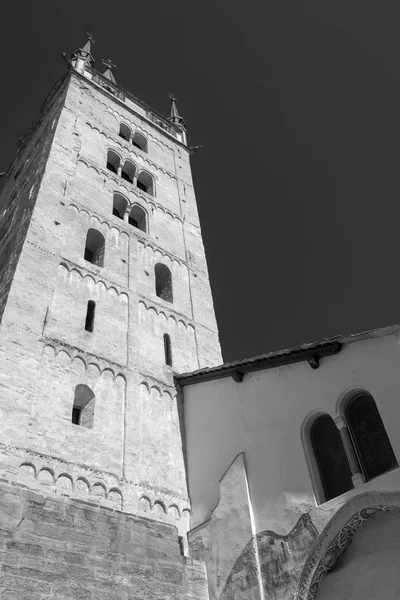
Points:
56	548
57	189
281	559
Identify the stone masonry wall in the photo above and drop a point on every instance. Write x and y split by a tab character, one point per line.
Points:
132	455
54	547
20	186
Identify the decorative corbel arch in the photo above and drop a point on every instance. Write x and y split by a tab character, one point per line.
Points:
337	537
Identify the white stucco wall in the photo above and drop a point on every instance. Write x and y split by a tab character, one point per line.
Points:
263	416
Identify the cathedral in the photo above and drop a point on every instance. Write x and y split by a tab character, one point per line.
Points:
134	463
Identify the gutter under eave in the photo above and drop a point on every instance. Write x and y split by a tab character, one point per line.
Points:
311	354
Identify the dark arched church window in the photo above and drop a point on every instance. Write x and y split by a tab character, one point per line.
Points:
371	443
330	455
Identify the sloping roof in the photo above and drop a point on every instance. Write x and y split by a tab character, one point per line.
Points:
311	353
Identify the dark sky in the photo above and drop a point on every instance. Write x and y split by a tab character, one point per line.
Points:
297	104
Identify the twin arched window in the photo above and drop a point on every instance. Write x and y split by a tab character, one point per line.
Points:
137	216
358	447
137	139
128	172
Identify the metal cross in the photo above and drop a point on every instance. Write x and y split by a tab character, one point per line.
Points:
108	63
90	37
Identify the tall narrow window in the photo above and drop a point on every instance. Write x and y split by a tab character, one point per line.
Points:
369	437
94	247
331	457
83	407
163	282
137	218
167	350
113	161
89	323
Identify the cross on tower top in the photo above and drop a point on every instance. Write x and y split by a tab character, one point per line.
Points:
108	63
90	38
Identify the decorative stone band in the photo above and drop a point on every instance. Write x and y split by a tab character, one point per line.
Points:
326	554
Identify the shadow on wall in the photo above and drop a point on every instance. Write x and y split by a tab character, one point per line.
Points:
282	558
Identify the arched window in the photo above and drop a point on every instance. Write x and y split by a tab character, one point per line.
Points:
83	407
167	350
128	171
330	456
119	206
113	161
163	282
89	323
139	141
124	132
94	247
137	218
145	183
369	437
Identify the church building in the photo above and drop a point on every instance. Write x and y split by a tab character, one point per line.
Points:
133	462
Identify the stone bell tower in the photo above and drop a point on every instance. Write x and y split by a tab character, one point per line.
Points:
104	295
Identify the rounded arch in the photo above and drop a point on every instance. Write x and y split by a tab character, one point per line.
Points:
368	434
120	204
326	457
113	161
139	141
128	171
337	536
138	218
159	507
83	406
125	132
163	280
94	247
145	182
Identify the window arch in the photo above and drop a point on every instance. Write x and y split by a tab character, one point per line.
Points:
330	457
163	282
140	141
83	407
94	247
125	132
113	161
128	171
145	183
119	205
137	218
368	434
167	350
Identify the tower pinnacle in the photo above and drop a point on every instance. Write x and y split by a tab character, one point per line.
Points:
82	57
174	117
108	74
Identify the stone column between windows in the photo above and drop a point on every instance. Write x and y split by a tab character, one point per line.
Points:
356	477
126	214
135	180
119	171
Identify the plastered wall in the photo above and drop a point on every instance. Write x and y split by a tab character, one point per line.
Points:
262	417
